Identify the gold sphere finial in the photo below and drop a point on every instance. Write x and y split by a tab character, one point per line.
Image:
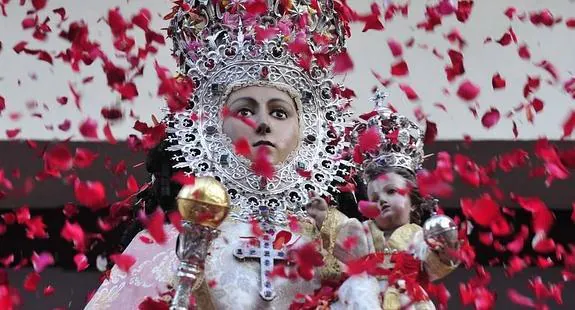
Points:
206	202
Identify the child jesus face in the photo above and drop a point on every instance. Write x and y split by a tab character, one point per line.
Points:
391	192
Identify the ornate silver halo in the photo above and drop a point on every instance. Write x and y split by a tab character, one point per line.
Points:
231	57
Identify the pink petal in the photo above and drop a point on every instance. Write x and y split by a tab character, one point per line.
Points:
400	69
468	90
41	261
81	262
369	209
89	128
490	118
395	47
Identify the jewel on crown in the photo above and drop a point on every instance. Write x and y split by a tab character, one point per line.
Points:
401	139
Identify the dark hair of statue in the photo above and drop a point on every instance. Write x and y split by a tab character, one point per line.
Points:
421	206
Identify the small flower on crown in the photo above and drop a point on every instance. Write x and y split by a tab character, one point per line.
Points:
393	140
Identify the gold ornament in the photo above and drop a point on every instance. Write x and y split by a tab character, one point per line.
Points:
206	202
391	299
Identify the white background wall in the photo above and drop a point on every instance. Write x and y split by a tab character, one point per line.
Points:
369	51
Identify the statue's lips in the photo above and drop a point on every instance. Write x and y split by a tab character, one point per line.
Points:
263	142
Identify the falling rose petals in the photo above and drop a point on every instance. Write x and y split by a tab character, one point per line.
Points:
59	158
81	262
520	299
112	113
61	12
570	23
395	47
369	209
91	194
569	125
175	218
84	158
242	147
498	82
89	128
399	69
65	126
468	90
155	226
342	63
31	281
12	133
184	178
74	233
409	92
550	68
108	134
490	118
262	164
123	261
35	228
524	52
41	261
369	140
39	4
2	104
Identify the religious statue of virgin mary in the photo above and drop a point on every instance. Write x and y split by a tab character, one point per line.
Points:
263	78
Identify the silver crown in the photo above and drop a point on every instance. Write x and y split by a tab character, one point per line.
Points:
225	45
401	139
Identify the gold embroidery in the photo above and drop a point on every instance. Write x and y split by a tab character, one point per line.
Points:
402	237
331	225
391	299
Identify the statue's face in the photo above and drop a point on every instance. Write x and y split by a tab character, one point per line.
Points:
266	117
391	192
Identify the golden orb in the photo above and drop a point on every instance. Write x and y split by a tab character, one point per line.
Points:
206	202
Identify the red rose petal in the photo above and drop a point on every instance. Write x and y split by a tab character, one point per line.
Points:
41	261
570	22
75	234
31	281
155	226
342	63
89	128
59	158
91	194
490	118
2	104
12	133
569	125
35	228
409	92
242	147
123	261
81	262
369	140
524	52
369	209
395	47
497	81
84	158
519	299
400	69
468	91
262	165
108	134
182	178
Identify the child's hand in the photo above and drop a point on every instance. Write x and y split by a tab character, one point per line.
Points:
317	209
